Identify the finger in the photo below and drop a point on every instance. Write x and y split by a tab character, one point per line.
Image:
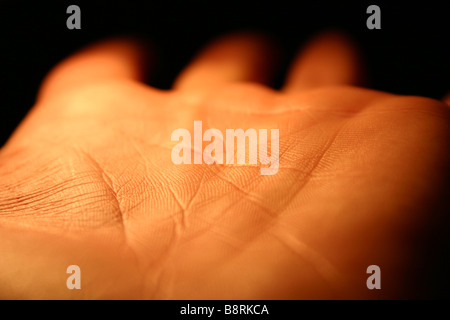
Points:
447	99
118	58
238	57
329	59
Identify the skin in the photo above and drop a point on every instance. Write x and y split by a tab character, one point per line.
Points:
87	179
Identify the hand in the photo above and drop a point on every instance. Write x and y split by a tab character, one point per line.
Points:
87	179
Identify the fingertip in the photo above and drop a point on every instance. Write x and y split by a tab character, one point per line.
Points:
241	56
126	58
329	58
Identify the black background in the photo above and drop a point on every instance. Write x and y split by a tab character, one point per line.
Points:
409	55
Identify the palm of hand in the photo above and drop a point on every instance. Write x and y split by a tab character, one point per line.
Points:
352	190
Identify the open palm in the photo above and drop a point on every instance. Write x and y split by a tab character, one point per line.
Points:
87	179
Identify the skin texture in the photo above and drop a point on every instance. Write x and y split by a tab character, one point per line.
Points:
87	179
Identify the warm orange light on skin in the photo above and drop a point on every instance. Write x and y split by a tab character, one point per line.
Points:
87	179
330	60
114	59
233	58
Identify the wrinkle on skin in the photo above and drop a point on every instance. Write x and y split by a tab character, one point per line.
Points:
324	268
191	201
163	262
163	273
272	215
110	184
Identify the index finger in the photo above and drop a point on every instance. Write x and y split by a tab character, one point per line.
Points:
117	58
